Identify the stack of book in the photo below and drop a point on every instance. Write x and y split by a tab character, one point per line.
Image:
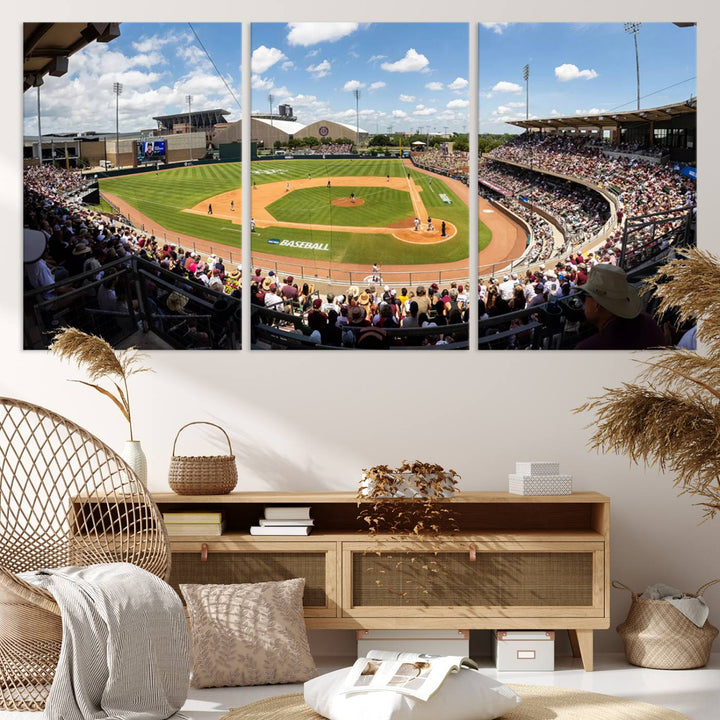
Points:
539	478
182	524
284	520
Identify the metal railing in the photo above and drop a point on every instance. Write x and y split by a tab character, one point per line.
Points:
208	319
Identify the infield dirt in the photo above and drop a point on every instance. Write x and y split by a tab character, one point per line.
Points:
267	193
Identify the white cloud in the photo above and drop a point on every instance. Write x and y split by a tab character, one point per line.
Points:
421	110
458	104
591	111
313	53
458	84
258	82
287	65
554	112
407	98
507	87
399	114
312	33
320	70
568	71
376	58
263	58
412	62
434	86
353	85
495	27
83	99
516	104
377	85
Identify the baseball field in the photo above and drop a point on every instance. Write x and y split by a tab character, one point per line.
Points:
343	211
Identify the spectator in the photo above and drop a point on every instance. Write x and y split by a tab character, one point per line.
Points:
615	309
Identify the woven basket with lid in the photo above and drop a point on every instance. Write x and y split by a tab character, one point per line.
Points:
202	474
657	635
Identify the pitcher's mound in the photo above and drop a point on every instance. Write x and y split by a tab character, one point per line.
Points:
346	202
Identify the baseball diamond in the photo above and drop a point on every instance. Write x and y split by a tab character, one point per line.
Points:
304	214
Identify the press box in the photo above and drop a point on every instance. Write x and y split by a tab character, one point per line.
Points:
524	650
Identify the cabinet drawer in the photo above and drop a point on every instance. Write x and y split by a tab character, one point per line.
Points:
498	579
249	562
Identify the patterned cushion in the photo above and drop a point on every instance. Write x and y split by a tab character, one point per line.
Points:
250	634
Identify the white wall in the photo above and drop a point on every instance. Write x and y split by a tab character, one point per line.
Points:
311	421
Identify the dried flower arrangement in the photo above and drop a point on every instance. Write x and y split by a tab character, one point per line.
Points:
670	416
405	503
100	361
404	500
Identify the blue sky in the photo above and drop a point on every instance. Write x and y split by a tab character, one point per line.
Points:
580	68
158	64
410	75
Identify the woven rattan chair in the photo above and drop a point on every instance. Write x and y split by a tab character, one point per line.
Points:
65	499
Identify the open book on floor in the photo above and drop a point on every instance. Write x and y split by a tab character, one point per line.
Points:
409	673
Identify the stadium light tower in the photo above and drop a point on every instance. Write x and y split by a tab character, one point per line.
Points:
526	78
634	28
117	89
188	100
271	97
356	93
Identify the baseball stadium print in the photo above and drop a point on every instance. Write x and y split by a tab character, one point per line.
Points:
353	234
587	170
119	149
359	180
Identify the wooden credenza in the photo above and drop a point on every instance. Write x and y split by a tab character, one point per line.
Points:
517	562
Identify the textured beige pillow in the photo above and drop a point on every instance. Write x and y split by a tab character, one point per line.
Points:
249	634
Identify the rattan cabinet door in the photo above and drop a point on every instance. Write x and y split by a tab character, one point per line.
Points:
230	562
473	579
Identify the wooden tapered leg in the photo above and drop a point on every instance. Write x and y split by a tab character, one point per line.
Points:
581	642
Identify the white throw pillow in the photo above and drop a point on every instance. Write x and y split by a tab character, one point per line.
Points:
465	695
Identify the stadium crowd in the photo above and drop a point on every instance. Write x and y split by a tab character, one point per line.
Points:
580	212
326	149
642	187
559	320
451	164
362	318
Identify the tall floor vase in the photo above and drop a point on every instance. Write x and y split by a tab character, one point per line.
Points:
134	456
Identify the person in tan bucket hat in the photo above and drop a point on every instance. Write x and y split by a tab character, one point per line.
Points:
615	308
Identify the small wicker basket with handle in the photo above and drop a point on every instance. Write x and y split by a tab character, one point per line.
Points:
658	635
202	474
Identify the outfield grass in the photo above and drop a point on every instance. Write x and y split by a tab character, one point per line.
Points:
380	206
163	196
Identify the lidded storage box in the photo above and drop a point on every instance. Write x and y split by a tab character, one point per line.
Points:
539	478
524	650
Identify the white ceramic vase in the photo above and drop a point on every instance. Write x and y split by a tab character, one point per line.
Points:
134	456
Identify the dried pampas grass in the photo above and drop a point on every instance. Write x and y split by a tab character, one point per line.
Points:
100	362
670	416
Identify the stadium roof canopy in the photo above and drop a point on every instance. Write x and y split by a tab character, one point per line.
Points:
351	127
47	46
611	119
287	126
